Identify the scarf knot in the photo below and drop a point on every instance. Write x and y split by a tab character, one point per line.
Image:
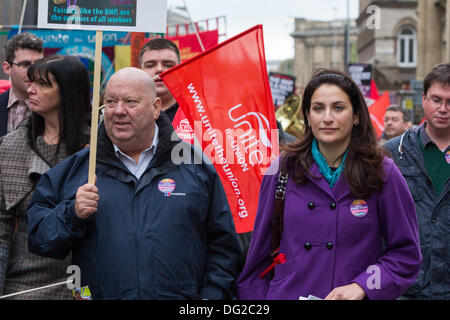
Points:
331	176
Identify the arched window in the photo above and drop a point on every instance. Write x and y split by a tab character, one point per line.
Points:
407	47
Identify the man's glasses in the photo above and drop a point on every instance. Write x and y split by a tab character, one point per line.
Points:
437	102
23	65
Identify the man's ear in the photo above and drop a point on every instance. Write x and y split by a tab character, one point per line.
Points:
157	104
7	68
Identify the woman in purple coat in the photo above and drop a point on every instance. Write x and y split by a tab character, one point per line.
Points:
349	223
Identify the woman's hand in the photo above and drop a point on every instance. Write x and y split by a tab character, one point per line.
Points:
351	292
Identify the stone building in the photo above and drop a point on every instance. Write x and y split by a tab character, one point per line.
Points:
403	40
411	38
320	44
433	35
390	43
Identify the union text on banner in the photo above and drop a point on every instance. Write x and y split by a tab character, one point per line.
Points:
225	94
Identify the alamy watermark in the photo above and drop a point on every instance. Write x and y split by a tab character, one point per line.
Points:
374	19
74	280
374	281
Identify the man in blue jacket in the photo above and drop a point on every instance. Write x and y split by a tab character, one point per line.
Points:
153	226
423	156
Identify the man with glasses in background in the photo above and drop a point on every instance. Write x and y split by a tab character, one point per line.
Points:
21	52
423	156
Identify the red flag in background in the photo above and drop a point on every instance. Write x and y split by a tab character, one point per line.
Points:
374	90
377	111
137	42
225	94
5	85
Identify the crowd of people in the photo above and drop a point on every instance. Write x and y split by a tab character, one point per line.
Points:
344	216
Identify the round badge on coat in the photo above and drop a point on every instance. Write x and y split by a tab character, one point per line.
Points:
359	208
166	186
447	156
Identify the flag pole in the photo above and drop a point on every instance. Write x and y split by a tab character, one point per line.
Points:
194	26
95	105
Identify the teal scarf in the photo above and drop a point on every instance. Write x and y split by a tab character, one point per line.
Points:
331	176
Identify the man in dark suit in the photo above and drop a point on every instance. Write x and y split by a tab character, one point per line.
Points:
21	52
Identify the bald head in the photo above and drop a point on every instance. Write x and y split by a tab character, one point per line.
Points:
127	76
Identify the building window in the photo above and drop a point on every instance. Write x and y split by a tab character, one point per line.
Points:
407	47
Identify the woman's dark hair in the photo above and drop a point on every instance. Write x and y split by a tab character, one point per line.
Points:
364	164
74	107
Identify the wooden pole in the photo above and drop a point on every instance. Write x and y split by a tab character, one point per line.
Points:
95	105
22	15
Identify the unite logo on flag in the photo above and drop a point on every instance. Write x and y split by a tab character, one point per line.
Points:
225	94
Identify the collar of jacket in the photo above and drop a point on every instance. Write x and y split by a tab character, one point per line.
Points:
409	141
20	167
340	190
162	157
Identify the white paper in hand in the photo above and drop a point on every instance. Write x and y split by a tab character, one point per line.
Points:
310	297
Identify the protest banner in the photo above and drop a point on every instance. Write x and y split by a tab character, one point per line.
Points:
101	15
361	73
189	45
282	86
225	94
105	15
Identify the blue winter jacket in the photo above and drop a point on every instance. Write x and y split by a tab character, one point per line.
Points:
433	214
168	235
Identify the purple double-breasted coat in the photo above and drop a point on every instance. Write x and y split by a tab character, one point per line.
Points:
333	239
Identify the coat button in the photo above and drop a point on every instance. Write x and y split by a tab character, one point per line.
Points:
333	205
329	245
308	245
311	205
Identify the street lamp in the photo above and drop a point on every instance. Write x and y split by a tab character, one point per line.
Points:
347	39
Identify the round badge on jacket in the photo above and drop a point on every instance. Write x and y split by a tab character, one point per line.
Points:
359	208
447	156
166	186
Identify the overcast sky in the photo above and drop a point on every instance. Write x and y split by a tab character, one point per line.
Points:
276	16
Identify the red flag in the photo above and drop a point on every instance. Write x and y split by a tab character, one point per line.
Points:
5	85
377	111
181	125
225	94
137	42
374	90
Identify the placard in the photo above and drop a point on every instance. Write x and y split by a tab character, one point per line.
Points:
282	86
105	15
361	73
